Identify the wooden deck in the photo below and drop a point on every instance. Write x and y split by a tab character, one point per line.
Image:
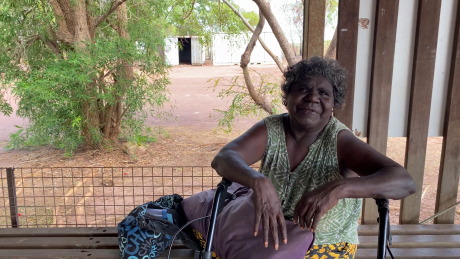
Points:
409	241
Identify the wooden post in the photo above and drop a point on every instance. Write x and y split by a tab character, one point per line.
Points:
306	3
386	19
450	164
426	39
313	28
347	43
12	197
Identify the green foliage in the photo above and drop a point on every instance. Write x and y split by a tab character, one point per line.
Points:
332	11
242	105
53	89
252	17
147	137
208	17
5	107
66	93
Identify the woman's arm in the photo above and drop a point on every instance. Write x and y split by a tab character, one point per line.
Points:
232	163
233	160
380	177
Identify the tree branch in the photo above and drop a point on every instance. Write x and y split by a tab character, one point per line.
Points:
63	33
111	25
52	45
264	8
331	50
191	10
107	74
113	7
274	57
245	58
32	39
54	48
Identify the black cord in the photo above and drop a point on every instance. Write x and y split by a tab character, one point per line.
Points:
391	254
182	228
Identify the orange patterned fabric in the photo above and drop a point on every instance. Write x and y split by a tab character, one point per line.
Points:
340	250
203	242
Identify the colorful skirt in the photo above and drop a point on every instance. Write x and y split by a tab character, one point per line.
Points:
340	250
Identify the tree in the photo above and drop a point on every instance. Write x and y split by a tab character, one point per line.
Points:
78	69
89	71
261	96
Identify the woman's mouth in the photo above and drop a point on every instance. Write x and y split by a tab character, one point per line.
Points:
308	111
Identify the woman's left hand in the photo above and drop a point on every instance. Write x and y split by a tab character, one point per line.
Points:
314	204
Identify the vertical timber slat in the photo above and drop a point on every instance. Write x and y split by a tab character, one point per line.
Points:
306	3
347	43
450	164
426	39
12	197
386	19
314	20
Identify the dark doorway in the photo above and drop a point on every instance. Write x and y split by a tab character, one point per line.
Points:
185	54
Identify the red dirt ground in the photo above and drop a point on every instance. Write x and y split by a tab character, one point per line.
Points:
191	140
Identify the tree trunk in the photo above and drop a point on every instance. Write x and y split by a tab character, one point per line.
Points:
66	29
331	50
125	74
262	43
82	34
264	9
76	27
245	58
82	37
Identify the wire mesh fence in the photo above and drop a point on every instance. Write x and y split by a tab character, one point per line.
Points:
89	196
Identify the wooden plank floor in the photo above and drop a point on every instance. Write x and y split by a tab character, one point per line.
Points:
409	241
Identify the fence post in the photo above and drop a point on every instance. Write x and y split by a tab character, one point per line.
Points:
12	197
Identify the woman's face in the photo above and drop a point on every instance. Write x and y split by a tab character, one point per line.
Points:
311	101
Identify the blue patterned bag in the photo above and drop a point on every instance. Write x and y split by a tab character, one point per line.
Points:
142	236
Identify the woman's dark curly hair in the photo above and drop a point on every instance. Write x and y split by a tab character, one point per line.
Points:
312	68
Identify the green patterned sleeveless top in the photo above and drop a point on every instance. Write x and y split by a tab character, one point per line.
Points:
318	167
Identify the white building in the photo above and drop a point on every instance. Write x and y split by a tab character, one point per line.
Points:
192	52
226	50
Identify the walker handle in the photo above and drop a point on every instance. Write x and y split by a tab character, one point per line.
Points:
217	206
384	227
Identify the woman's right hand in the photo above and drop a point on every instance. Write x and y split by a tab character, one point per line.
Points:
267	207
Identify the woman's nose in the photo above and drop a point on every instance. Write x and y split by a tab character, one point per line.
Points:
312	96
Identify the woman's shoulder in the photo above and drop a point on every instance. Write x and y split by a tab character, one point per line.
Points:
335	126
275	117
274	121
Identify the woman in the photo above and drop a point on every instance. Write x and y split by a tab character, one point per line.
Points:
310	163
